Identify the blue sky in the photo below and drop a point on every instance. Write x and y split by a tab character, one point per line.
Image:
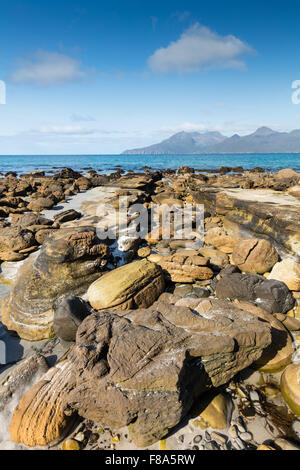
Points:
92	77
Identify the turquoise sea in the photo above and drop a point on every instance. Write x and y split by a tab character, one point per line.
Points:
107	163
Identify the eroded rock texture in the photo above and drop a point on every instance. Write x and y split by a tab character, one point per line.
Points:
66	264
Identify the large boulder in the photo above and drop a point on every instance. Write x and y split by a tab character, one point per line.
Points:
287	271
41	203
15	239
136	284
145	368
254	256
68	262
273	296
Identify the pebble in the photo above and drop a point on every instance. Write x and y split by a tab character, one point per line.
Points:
80	437
295	429
246	436
207	436
233	431
197	439
284	444
254	395
219	438
212	446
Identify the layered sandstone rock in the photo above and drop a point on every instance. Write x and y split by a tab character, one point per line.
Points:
142	368
39	418
136	284
185	266
157	361
67	263
254	256
260	212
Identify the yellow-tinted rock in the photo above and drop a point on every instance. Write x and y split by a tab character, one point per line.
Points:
144	252
264	447
216	412
290	387
136	284
39	418
70	444
254	256
287	271
279	354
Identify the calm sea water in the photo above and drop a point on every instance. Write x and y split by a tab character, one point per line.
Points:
25	163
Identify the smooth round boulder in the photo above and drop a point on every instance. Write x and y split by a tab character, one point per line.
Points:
133	285
68	315
287	271
290	387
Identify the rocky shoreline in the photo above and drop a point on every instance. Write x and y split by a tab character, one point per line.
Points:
150	342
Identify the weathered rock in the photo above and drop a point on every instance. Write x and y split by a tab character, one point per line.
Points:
216	411
68	315
279	354
11	256
217	258
66	216
136	284
15	238
144	252
40	204
287	271
39	418
145	368
287	173
272	296
67	263
41	235
26	220
183	268
275	218
254	256
223	242
19	378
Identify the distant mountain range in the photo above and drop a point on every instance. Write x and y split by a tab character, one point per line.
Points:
263	140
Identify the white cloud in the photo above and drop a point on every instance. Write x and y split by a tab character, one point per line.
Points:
48	68
198	49
65	130
76	117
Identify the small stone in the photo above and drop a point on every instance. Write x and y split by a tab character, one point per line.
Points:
295	429
80	437
218	437
115	438
233	431
212	446
207	436
70	444
264	447
144	252
246	436
197	439
195	448
284	444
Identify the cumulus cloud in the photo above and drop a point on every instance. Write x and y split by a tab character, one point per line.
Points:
199	48
48	68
